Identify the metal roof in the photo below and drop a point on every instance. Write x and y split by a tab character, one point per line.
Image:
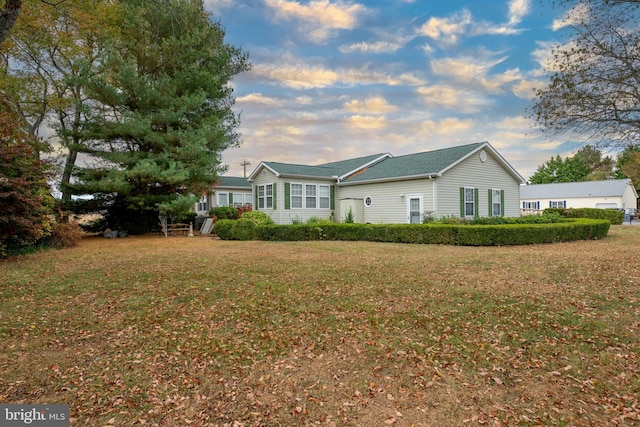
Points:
608	188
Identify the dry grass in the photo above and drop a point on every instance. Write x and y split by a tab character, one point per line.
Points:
192	331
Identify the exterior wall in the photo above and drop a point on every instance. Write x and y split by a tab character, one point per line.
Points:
279	214
388	199
474	173
212	199
583	202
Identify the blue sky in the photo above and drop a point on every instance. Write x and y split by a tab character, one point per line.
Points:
335	79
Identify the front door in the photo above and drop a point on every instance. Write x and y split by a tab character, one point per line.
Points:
414	208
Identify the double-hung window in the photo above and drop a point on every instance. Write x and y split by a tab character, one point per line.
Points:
223	199
557	203
324	196
496	203
296	196
265	196
469	201
310	196
203	204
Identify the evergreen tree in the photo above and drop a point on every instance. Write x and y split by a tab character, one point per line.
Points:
556	169
160	109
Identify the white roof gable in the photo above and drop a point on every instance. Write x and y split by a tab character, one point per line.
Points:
608	188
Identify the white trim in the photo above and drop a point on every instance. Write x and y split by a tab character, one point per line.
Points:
420	197
366	165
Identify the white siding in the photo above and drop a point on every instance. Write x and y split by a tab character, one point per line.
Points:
388	206
474	173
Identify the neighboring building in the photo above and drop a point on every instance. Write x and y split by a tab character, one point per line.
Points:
229	191
464	181
613	193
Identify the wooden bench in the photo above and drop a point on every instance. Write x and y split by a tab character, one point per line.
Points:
177	229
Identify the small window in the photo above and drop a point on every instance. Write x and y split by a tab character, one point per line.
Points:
203	204
223	199
558	204
324	196
496	203
469	201
310	196
296	196
368	201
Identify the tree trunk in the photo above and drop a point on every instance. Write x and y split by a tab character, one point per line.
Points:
8	16
66	174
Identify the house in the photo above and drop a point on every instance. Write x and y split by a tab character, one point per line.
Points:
229	191
613	193
464	181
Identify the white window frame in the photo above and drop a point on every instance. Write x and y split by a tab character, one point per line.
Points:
219	198
296	198
311	198
324	196
265	196
469	202
203	203
496	202
531	205
237	200
557	203
260	197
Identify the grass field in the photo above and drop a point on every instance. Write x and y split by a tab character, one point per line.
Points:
194	331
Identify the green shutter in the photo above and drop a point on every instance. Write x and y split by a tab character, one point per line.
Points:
332	195
461	202
274	196
475	202
287	195
490	202
230	199
502	202
255	191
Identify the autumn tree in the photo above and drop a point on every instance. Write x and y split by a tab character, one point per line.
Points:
593	88
26	205
160	109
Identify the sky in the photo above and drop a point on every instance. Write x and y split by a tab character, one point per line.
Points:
338	79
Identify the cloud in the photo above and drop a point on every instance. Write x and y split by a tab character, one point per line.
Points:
367	122
373	105
575	15
448	29
375	47
446	126
257	98
525	88
217	6
301	75
445	96
475	72
518	9
319	19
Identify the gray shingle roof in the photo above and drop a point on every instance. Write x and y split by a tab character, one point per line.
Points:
233	181
419	164
327	170
608	188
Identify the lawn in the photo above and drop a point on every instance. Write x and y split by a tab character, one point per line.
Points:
194	331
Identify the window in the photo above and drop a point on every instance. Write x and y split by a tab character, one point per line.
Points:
296	196
223	199
203	204
531	205
265	196
496	203
557	203
269	196
469	202
310	196
260	196
368	201
237	200
324	194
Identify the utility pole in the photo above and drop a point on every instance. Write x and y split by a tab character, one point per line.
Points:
244	164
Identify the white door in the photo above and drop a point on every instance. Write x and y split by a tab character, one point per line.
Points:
414	208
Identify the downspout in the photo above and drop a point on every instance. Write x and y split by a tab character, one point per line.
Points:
434	197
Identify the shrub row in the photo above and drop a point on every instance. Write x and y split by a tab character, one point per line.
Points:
451	234
613	215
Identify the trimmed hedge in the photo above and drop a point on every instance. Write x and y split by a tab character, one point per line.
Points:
613	215
451	234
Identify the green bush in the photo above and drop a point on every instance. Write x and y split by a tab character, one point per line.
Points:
222	228
452	234
224	212
258	218
243	229
614	216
